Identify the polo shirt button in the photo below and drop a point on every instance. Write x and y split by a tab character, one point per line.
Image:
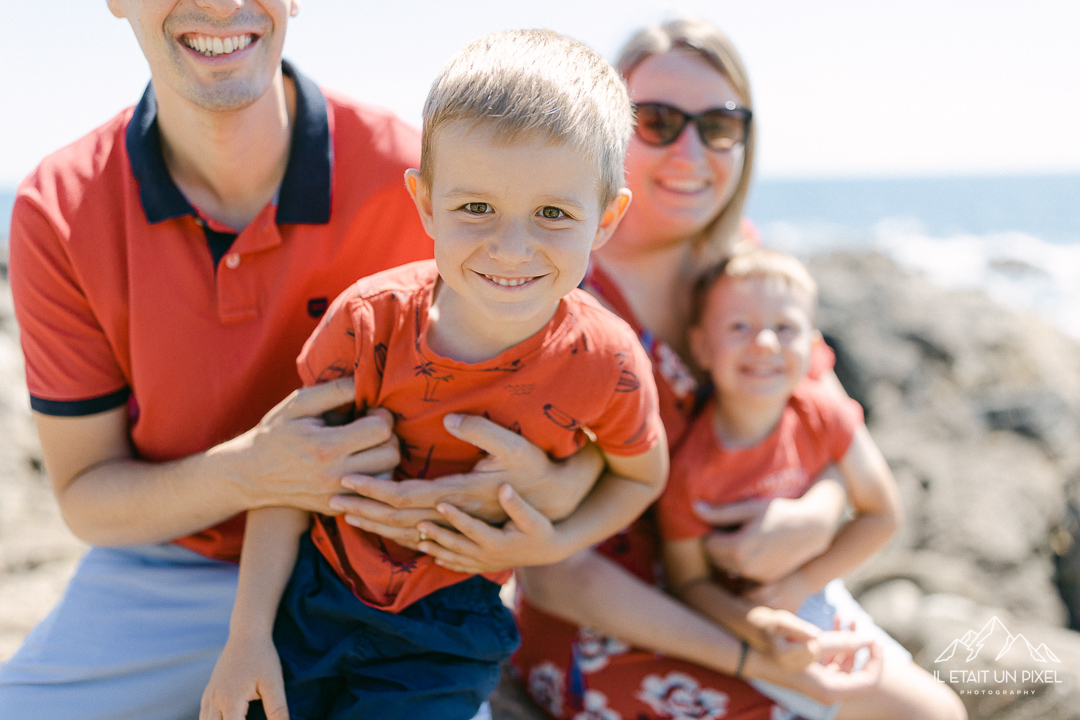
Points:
232	261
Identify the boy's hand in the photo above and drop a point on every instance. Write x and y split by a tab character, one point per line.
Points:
527	539
791	641
246	671
788	593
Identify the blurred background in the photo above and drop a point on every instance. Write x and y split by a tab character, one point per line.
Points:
923	154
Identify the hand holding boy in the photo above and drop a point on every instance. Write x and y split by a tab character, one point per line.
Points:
528	539
393	509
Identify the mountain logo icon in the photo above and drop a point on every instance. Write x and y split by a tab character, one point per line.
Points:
996	639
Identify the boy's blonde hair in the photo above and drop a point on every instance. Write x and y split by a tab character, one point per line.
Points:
760	264
523	82
705	40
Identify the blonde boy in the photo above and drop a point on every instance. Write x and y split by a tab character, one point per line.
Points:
767	433
521	177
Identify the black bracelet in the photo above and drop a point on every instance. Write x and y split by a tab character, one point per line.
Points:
742	658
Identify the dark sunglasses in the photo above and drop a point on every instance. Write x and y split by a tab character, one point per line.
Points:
719	128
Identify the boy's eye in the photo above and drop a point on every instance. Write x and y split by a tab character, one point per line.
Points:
478	208
550	212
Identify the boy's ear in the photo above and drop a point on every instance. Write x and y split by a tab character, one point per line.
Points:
698	346
421	195
613	214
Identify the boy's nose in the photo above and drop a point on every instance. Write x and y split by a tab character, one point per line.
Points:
767	338
512	243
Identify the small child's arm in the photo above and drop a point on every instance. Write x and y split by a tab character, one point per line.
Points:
249	668
623	492
790	641
876	501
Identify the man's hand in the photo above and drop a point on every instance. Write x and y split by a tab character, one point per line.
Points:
291	458
294	458
245	671
528	539
554	488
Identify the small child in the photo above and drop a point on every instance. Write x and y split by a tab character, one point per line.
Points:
768	432
521	177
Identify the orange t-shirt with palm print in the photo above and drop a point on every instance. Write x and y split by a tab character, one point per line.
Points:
583	376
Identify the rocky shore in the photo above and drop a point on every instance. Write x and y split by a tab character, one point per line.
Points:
977	410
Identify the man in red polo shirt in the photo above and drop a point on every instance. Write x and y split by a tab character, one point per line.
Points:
167	269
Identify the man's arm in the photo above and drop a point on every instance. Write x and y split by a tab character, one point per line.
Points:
290	458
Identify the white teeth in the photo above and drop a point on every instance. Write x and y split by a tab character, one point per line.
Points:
686	186
214	46
507	282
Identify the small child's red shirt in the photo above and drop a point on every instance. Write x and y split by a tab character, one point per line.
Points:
584	374
815	429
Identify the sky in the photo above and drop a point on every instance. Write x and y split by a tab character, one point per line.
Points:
842	88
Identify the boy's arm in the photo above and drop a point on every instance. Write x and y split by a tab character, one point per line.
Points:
775	537
629	486
876	501
249	667
781	635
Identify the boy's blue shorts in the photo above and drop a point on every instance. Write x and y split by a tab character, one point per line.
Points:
438	658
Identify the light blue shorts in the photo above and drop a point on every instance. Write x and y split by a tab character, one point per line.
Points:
134	637
833	602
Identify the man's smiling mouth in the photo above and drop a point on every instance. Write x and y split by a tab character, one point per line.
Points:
214	46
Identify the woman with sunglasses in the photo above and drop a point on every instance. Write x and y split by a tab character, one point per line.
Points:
689	169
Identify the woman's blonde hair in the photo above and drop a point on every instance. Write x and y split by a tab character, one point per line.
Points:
720	237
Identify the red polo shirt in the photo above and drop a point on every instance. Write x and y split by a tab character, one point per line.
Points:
119	300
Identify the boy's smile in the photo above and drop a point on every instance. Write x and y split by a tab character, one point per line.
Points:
514	222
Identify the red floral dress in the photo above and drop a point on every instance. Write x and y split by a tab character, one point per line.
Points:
574	673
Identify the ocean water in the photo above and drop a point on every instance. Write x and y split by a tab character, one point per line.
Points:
1016	237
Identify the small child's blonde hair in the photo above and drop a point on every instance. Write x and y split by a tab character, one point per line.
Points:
755	263
535	81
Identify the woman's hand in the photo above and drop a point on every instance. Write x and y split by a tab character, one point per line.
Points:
394	509
830	679
766	540
528	539
788	639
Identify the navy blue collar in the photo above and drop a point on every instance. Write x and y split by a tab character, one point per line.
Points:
304	195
